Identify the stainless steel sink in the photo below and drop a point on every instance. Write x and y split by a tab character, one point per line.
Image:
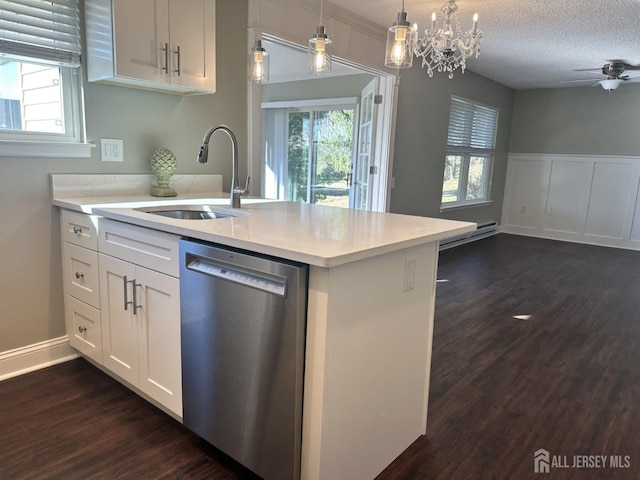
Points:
191	212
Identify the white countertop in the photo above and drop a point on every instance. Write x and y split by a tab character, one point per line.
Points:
313	234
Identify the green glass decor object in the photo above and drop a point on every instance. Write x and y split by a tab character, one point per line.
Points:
163	164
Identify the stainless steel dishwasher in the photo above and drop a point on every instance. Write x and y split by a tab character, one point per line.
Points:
243	321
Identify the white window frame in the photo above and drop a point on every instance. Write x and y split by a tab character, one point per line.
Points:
467	151
71	144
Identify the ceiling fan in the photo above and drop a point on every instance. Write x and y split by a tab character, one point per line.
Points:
614	73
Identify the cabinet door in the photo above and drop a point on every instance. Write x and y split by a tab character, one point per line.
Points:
192	32
159	338
119	325
141	32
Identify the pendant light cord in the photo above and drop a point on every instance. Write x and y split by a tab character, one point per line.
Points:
321	12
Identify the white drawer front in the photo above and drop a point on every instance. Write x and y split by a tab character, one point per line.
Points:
142	246
81	278
83	328
79	229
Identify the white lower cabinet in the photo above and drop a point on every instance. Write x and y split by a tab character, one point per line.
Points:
141	329
122	303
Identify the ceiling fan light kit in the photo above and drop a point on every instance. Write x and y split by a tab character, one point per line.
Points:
610	83
444	47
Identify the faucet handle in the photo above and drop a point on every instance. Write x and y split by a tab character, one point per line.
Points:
246	186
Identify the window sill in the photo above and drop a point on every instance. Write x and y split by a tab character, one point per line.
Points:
459	206
20	148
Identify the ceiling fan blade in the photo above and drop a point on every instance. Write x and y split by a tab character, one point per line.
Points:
627	65
576	81
599	69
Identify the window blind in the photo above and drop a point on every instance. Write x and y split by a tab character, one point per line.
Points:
42	31
472	125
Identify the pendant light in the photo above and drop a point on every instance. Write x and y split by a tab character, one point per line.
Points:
400	41
258	58
319	50
259	63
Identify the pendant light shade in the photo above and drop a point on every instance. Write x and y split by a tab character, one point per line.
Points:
400	42
259	63
320	53
320	50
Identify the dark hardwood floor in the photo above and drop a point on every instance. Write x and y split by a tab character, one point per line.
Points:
566	380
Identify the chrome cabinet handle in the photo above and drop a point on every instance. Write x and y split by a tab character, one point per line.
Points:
166	58
135	296
126	294
82	329
79	275
77	230
177	52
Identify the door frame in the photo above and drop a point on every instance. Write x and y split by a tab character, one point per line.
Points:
385	125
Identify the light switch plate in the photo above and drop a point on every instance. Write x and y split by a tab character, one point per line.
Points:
111	150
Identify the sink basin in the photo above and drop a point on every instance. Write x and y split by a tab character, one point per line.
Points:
191	212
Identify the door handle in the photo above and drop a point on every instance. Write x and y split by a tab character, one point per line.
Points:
166	58
177	52
126	293
135	296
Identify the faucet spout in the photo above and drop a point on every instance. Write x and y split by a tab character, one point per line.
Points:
236	190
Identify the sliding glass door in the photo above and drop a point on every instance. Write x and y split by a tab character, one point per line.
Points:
310	155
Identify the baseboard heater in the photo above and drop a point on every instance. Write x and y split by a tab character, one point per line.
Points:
483	231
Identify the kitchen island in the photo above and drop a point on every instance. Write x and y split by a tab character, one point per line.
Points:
370	313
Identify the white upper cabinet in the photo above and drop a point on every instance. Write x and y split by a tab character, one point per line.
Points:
166	45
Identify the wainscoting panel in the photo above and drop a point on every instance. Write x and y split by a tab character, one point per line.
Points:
578	198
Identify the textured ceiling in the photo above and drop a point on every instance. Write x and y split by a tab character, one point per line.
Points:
533	43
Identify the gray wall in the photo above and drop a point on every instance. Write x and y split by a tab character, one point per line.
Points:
581	120
327	87
421	141
30	286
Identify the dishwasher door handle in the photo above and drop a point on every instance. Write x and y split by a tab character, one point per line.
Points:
250	278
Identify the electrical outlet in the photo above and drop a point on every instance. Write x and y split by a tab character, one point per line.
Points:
409	274
111	150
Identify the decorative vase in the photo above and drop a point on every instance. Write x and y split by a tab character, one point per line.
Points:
163	164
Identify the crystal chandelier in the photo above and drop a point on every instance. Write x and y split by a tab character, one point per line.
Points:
444	48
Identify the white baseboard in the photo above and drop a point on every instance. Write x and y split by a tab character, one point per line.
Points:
34	357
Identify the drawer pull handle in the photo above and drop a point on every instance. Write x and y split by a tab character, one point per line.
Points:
77	230
82	329
79	275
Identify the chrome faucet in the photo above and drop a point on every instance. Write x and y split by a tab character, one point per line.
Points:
236	191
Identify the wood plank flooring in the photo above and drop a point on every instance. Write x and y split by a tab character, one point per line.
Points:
566	380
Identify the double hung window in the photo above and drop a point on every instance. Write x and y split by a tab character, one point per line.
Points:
40	89
470	151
